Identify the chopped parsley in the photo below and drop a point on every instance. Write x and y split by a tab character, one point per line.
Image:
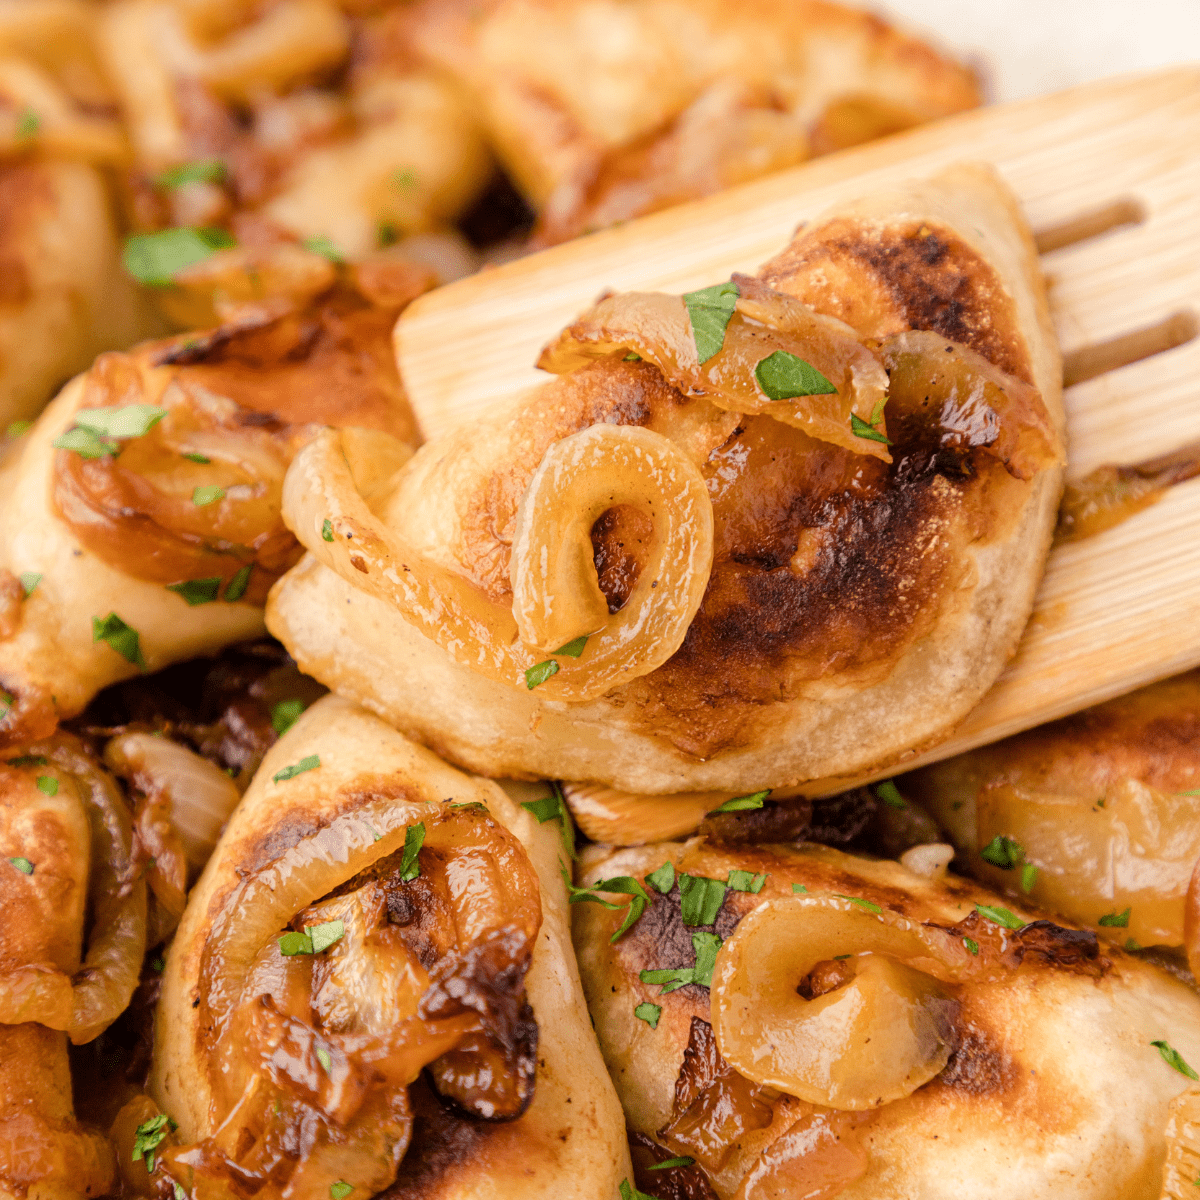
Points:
700	898
29	581
96	431
22	864
971	944
1029	874
889	793
1003	852
706	946
85	443
205	170
197	458
668	1164
710	310
209	494
624	885
861	429
27	760
285	714
414	839
305	764
157	965
6	703
1174	1059
156	258
538	674
743	881
866	905
340	1190
663	879
149	1136
326	1061
325	248
327	530
783	376
742	803
18	429
313	940
1000	916
120	637
554	807
629	1192
47	785
197	591
28	123
238	584
1132	944
632	357
649	1013
798	889
1116	920
405	179
574	648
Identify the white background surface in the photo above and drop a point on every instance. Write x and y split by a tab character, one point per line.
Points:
1031	47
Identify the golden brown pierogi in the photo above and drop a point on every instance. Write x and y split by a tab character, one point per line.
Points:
430	1039
868	1032
774	591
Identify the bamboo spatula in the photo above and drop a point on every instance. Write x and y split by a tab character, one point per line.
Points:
1109	175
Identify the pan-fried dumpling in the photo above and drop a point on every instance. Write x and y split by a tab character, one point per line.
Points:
140	518
725	548
373	989
604	111
802	1022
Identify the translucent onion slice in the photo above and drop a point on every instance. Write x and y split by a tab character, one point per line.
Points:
556	595
36	992
1182	1167
1191	922
659	329
876	1038
320	495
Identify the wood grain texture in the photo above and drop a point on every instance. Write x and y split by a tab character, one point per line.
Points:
1115	611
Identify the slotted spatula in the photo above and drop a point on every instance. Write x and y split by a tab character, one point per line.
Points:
1109	175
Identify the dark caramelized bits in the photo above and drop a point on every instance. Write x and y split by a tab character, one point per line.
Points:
673	1183
1076	950
824	978
788	820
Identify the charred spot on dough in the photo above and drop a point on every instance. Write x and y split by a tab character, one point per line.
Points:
911	275
26	195
978	1065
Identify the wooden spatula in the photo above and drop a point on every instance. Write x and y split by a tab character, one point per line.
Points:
1109	175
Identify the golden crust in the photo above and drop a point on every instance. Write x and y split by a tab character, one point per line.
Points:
850	615
1027	1101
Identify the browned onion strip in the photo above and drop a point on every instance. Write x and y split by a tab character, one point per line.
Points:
1191	921
556	596
36	992
449	610
876	1038
981	405
658	328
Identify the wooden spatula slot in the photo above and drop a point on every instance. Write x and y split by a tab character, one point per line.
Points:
1089	361
1116	215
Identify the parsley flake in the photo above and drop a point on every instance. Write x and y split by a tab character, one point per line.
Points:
798	889
149	1136
624	885
784	376
238	584
85	443
327	530
548	809
205	170
209	494
649	1013
705	946
18	429
1000	916
629	1192
663	879
889	793
22	864
710	310
742	803
743	881
326	1061
305	764
28	123
861	429
1003	852
6	703
1174	1059
340	1190
29	581
120	637
414	839
700	898
971	944
285	714
197	458
197	591
120	421
293	942
668	1164
632	357
156	258
27	760
47	785
866	905
538	674
1132	944
405	179
1029	874
1114	920
325	248
574	648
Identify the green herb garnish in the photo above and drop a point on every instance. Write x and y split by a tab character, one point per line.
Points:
238	584
538	674
866	905
551	807
325	248
706	946
29	581
325	1059
1003	852
197	591
783	376
971	944
700	898
308	763
1174	1059
663	879
405	179
327	530
47	785
1115	920
1029	874
1000	916
210	494
649	1013
120	637
629	1192
197	458
574	648
340	1190
743	881
668	1164
22	864
148	1137
624	885
27	760
742	803
313	940
1132	944
285	714
414	839
710	310
18	429
206	170
889	793
156	258
85	443
28	123
798	889
861	429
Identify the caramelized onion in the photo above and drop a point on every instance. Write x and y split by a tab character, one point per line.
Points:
659	329
816	1159
320	492
872	1039
1182	1167
1191	921
556	596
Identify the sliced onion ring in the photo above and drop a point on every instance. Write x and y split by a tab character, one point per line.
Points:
875	1039
448	609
